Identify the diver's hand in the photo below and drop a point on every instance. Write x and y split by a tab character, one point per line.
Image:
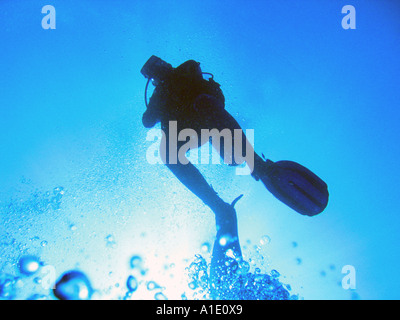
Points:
148	119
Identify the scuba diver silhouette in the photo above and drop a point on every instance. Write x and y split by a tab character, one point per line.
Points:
183	99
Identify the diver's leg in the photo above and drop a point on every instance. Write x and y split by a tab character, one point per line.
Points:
214	116
226	245
258	166
240	149
225	214
191	177
188	174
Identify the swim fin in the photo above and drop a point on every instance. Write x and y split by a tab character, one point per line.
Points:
295	186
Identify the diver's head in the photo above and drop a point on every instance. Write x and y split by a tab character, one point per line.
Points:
156	69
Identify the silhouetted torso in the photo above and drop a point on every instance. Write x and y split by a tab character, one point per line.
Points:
175	99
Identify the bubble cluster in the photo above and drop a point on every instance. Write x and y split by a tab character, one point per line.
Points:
234	281
236	278
7	286
55	200
137	279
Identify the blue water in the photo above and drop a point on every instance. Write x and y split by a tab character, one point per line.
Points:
78	197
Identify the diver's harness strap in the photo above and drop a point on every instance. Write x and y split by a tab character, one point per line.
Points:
145	92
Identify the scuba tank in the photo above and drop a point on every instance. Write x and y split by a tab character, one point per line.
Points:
183	84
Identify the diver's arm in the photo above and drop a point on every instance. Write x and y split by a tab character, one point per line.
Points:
154	110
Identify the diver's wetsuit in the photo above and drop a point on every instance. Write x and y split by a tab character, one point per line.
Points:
190	101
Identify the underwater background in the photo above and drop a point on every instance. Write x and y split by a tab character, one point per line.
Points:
77	193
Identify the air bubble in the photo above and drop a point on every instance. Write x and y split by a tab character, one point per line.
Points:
275	274
110	241
29	265
73	285
132	284
230	254
37	280
205	247
152	285
136	262
192	285
160	296
265	240
226	240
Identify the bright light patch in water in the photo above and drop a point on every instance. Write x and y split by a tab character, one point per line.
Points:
148	276
171	274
